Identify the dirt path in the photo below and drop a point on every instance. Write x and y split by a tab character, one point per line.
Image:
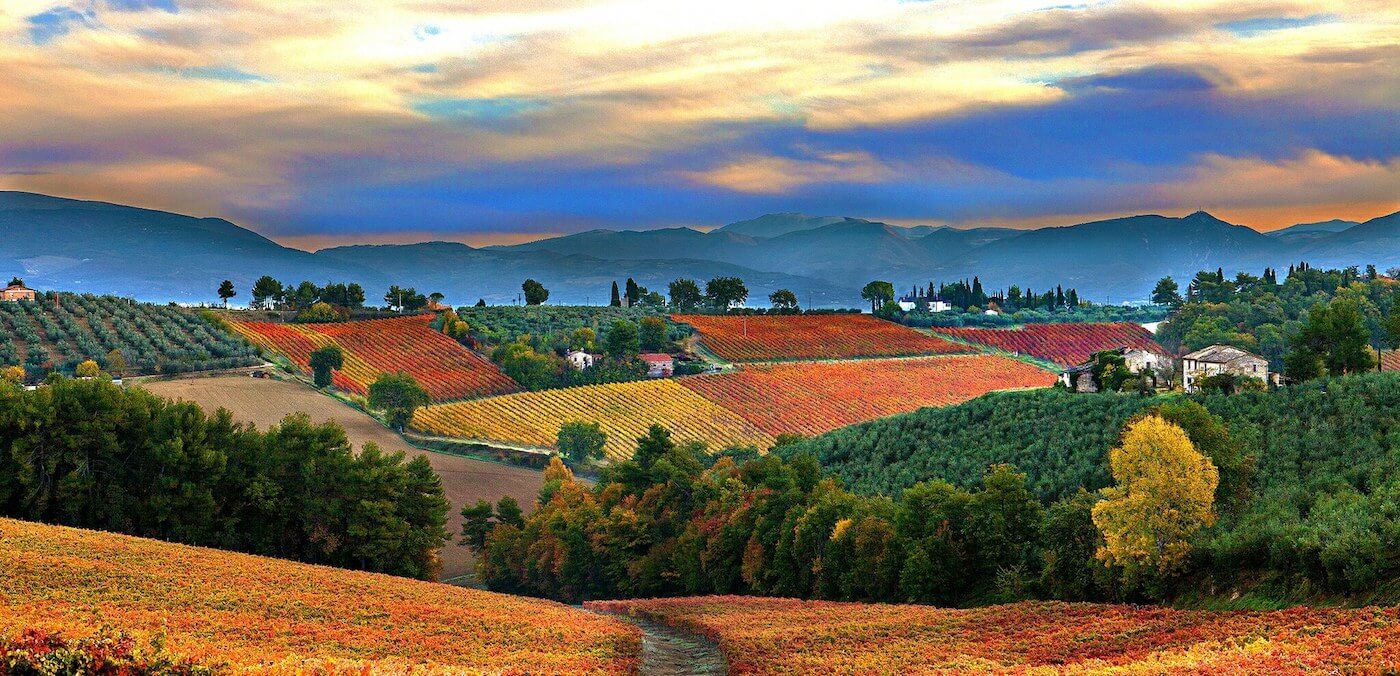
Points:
668	651
266	402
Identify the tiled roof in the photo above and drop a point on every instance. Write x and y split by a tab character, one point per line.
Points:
653	357
1220	354
1390	360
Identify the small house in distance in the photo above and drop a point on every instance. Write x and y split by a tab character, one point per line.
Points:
1218	359
17	291
579	359
1080	378
658	365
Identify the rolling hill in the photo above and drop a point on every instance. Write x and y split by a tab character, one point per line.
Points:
152	255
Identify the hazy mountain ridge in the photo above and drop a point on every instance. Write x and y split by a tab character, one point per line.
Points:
153	255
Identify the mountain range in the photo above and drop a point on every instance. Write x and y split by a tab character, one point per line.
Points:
152	255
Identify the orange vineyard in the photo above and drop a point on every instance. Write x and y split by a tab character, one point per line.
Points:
810	398
624	410
252	613
785	636
1064	344
837	336
441	365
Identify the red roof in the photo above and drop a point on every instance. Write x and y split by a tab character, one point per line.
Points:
656	358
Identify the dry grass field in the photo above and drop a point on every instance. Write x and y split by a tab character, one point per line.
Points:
265	402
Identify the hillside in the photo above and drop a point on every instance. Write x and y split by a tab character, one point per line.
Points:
788	636
240	612
1319	435
107	248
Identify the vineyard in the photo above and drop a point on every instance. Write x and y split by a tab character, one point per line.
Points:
243	612
46	336
442	366
790	337
624	410
782	636
1063	344
810	398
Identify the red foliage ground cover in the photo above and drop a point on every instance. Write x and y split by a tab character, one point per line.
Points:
1064	344
444	368
783	636
810	398
784	337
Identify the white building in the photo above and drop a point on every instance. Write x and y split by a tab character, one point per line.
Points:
1218	359
658	365
579	359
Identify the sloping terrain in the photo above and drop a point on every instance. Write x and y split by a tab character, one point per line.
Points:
242	612
790	636
265	402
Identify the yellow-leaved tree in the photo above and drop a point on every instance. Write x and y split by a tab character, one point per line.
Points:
1165	492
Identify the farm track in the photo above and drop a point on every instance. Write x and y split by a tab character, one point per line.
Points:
671	651
266	402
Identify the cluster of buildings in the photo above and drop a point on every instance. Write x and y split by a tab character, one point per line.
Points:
1195	367
659	365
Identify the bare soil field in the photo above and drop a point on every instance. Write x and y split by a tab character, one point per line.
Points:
266	402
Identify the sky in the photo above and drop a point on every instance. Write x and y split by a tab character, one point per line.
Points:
496	121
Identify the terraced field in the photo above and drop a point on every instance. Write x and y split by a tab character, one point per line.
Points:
624	410
793	337
444	368
810	398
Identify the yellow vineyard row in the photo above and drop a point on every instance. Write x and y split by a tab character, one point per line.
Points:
624	410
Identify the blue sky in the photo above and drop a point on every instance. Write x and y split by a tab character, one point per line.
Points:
503	121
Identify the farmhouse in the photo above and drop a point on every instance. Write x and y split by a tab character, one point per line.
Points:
1218	359
1080	378
17	291
579	359
658	365
913	302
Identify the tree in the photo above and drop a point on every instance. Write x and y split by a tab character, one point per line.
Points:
16	281
437	296
304	295
724	292
783	299
652	336
12	374
616	300
1166	293
535	293
1164	493
878	293
1334	340
581	441
266	292
481	302
1392	327
324	361
634	293
226	291
88	369
623	340
405	299
116	362
583	339
686	294
398	395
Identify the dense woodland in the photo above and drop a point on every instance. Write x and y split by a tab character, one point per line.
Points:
1262	314
992	500
93	455
60	331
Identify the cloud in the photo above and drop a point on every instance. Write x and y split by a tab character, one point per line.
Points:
776	175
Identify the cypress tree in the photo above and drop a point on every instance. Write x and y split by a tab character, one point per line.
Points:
616	298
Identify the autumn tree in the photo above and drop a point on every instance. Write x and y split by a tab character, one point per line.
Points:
88	369
1164	493
324	361
12	374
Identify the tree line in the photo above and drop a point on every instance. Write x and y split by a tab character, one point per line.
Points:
676	520
90	454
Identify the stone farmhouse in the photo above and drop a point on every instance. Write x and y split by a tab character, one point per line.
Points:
1080	378
1218	359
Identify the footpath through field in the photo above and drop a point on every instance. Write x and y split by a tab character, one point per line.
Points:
669	651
